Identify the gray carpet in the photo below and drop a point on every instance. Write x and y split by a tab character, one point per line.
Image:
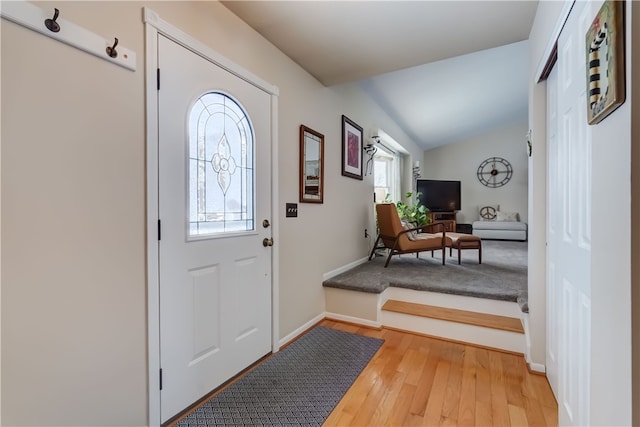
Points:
502	274
298	386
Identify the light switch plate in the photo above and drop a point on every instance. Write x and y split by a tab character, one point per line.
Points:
292	210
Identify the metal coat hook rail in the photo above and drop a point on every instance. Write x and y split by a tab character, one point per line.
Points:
54	26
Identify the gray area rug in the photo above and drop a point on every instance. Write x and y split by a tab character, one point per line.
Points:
502	274
298	386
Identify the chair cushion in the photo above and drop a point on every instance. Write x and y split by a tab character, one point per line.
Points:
499	225
424	241
507	216
447	239
454	237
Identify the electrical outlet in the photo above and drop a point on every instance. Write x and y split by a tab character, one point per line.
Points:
366	234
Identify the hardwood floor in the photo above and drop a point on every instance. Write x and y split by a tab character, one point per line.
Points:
417	380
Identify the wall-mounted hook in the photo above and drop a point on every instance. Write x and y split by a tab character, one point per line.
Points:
111	50
51	24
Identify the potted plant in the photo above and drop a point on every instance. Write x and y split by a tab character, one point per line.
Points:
413	211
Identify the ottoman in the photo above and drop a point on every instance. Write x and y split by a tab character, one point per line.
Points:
461	241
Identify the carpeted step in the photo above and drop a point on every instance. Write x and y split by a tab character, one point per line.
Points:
454	315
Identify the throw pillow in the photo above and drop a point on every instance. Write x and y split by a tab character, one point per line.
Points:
507	216
488	212
412	234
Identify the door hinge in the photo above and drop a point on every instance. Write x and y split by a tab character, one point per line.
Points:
160	378
158	77
159	230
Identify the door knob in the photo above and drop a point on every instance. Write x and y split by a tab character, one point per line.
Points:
267	242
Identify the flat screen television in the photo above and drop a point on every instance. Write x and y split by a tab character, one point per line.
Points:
439	196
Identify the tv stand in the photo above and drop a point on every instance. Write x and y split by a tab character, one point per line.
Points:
446	218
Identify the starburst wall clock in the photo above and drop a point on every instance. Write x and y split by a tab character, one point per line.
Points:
495	172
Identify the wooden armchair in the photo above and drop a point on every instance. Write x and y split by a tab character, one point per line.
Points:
402	241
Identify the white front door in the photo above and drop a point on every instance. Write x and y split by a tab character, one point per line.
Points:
214	194
569	225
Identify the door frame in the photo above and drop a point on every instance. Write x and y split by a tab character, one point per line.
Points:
154	26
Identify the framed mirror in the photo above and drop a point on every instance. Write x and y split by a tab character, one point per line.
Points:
311	165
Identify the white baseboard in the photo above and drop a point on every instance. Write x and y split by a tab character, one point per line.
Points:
301	329
340	270
537	367
349	319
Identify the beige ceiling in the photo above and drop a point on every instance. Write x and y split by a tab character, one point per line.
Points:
367	41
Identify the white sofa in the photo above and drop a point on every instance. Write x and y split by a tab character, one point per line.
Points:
494	224
504	230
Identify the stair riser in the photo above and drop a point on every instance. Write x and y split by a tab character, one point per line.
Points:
488	337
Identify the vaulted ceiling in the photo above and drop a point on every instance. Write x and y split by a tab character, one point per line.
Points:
443	70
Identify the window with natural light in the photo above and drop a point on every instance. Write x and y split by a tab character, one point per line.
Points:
386	175
221	146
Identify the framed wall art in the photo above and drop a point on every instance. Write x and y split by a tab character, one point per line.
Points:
311	165
605	61
351	148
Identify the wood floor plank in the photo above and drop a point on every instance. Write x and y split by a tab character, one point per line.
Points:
499	404
514	370
433	411
384	409
423	388
467	406
517	416
534	412
451	404
483	384
532	401
386	374
550	415
483	413
454	315
543	390
401	405
340	419
415	370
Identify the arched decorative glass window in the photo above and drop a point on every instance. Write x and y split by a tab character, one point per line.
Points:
221	167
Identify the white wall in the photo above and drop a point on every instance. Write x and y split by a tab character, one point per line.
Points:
611	367
611	270
73	207
547	16
460	161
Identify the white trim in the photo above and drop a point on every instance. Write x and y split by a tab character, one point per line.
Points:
333	273
349	319
537	367
154	26
302	329
275	229
0	237
327	315
194	45
389	142
553	38
32	17
153	291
